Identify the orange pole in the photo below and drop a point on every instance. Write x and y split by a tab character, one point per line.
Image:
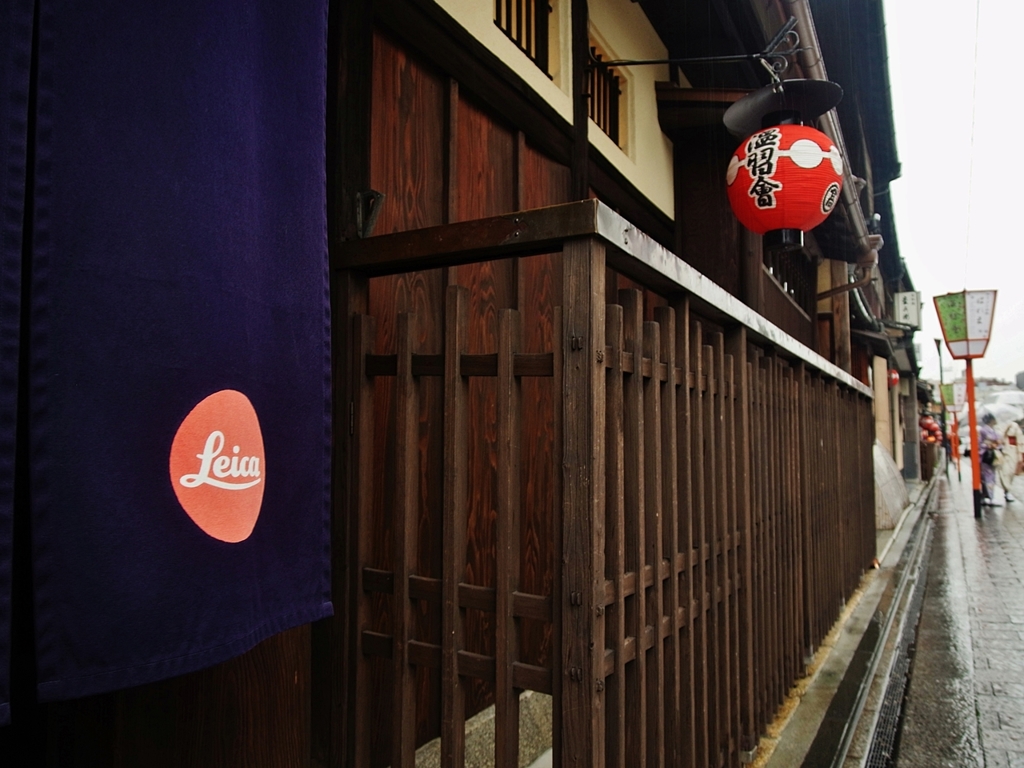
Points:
975	451
954	440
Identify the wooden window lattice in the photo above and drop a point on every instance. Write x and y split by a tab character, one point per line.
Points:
604	91
525	22
790	272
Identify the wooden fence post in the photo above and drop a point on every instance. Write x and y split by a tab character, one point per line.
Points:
404	520
364	337
506	704
633	481
580	368
456	397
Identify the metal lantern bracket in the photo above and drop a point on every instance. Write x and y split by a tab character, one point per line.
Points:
774	58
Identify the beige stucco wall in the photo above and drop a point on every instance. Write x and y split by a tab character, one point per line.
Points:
882	406
477	18
621	28
623	31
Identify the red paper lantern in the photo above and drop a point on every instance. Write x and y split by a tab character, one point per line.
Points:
785	177
894	378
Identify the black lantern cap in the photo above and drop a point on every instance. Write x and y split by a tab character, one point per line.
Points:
788	101
783	240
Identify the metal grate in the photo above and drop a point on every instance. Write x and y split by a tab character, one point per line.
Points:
525	22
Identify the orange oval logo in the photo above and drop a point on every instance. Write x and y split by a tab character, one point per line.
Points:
218	466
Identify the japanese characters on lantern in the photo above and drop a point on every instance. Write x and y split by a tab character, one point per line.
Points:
785	177
966	320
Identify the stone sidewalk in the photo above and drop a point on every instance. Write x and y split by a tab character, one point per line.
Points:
965	703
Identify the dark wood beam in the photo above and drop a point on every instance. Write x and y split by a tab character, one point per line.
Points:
630	251
680	108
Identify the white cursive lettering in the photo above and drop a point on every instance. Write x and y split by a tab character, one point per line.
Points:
222	466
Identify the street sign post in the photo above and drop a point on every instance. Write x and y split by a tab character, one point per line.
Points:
966	320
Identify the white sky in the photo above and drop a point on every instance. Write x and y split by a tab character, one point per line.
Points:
958	204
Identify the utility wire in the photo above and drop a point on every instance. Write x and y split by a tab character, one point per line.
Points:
974	114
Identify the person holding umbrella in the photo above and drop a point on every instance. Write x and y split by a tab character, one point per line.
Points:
1010	461
988	446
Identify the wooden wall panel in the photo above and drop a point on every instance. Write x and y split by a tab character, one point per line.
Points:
484	185
407	164
407	131
541	182
438	156
781	310
708	235
251	710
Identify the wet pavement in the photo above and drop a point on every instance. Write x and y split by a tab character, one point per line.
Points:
925	668
965	700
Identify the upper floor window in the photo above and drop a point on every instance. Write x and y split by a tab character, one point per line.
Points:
604	93
525	22
792	273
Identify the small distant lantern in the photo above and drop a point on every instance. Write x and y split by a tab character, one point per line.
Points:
786	177
966	320
894	378
954	396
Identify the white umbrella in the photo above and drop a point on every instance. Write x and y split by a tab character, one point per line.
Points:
1010	397
1004	413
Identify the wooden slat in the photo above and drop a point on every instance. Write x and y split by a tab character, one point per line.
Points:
363	334
376	644
796	527
456	395
775	490
404	520
333	644
737	344
530	677
653	544
776	508
424	654
506	704
421	654
668	423
794	652
474	596
756	507
537	607
615	555
715	440
715	661
559	609
633	485
802	448
733	565
524	364
477	666
701	584
685	734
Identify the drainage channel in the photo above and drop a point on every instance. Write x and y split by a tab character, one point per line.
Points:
832	742
884	740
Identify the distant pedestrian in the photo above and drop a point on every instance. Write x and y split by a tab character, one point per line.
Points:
1009	465
988	446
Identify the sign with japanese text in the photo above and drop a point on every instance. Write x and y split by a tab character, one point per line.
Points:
907	308
966	320
954	395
